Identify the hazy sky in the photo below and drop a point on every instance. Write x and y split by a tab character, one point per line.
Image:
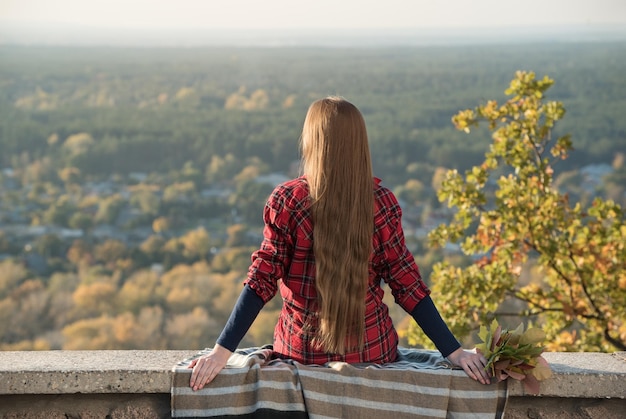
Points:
282	14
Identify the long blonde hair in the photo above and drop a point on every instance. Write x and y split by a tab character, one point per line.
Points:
337	165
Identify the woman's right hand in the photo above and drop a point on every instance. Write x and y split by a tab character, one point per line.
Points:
206	368
473	364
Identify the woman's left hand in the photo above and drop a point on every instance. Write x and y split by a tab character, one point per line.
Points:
206	368
472	363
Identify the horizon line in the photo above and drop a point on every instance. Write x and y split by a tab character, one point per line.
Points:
76	35
620	27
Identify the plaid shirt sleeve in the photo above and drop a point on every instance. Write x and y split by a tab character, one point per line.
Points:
272	260
399	269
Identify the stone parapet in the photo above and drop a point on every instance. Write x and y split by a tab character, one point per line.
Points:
87	372
583	375
136	384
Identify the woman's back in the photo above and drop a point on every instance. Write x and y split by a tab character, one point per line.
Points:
330	238
289	243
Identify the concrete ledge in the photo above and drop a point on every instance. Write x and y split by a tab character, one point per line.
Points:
91	372
136	384
576	374
581	375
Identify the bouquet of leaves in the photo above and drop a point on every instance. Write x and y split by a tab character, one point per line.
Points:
515	354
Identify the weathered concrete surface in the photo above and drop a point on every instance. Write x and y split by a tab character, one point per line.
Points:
576	374
136	384
87	384
92	372
582	375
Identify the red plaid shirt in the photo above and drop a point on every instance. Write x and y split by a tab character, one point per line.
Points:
285	261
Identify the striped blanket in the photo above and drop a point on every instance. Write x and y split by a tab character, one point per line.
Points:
420	385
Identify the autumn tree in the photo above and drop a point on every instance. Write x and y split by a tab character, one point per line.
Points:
147	201
412	191
91	334
185	287
138	291
196	243
61	287
27	315
59	212
161	225
180	192
139	332
222	169
111	252
194	329
510	217
232	259
189	173
69	175
152	248
80	221
109	208
236	235
80	253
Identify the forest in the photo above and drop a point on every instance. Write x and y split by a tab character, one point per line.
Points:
132	180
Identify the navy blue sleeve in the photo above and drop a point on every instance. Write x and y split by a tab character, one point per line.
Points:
428	318
241	318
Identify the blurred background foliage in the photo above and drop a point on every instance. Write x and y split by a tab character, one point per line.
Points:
133	179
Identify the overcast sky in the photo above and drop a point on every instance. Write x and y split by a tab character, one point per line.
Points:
291	14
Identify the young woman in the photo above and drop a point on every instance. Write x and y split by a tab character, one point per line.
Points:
331	236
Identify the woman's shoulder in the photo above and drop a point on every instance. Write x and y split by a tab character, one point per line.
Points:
296	188
387	206
384	195
292	194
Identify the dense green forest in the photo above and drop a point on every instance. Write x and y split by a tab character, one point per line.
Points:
140	105
132	180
